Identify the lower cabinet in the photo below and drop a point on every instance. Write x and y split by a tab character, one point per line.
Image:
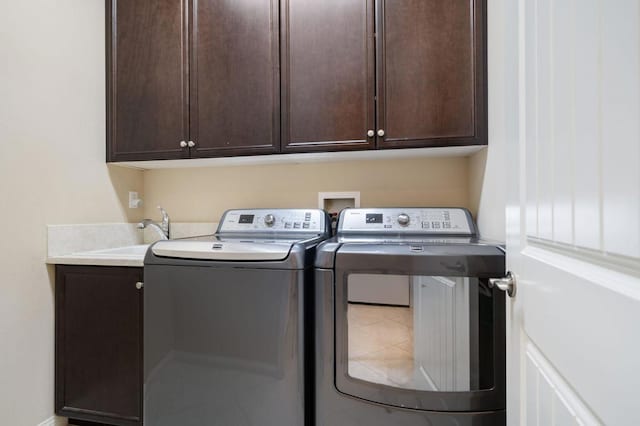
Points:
98	344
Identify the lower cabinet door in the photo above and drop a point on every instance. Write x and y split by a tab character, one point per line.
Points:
98	344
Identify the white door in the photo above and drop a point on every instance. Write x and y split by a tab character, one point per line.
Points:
572	121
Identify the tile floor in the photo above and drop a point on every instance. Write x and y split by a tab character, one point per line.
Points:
381	344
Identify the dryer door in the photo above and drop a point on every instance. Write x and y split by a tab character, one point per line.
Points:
444	350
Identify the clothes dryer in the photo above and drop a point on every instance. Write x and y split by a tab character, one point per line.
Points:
435	357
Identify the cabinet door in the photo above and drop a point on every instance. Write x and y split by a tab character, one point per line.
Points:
147	80
99	344
235	80
328	76
431	73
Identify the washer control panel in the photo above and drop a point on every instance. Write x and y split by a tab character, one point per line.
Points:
426	221
273	220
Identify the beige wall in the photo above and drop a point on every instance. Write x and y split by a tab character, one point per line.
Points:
52	170
203	194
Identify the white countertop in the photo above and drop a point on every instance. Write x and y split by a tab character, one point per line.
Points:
110	244
121	256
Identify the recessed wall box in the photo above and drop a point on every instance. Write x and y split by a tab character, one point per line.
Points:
334	202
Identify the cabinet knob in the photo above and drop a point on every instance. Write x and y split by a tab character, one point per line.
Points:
371	133
191	144
183	144
139	285
381	133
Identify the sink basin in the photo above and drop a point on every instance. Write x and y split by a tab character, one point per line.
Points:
137	251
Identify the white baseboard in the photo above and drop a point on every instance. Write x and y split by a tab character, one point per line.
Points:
54	421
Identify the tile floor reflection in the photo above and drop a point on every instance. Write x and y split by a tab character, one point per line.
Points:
381	344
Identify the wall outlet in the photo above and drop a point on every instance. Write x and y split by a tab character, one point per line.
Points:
134	200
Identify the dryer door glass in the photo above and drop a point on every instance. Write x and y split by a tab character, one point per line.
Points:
425	333
426	342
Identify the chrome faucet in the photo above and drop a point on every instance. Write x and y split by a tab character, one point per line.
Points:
162	229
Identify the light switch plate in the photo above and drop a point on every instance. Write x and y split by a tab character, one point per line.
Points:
134	200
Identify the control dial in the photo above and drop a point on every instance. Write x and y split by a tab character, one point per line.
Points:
269	220
403	219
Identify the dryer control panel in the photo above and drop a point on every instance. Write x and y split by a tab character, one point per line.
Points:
424	221
308	221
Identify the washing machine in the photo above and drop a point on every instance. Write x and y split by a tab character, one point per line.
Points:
224	322
408	330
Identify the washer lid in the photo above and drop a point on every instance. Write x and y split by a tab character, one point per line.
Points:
222	250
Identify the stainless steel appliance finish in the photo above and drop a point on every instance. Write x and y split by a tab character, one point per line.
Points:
224	322
439	360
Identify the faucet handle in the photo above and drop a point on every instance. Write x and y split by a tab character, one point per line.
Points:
165	221
163	212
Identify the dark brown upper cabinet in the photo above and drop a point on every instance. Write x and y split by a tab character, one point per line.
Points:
192	78
328	75
412	73
147	80
235	79
431	62
214	78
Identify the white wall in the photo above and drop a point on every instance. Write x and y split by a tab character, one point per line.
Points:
487	169
52	170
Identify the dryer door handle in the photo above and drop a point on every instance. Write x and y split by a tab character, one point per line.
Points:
507	284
